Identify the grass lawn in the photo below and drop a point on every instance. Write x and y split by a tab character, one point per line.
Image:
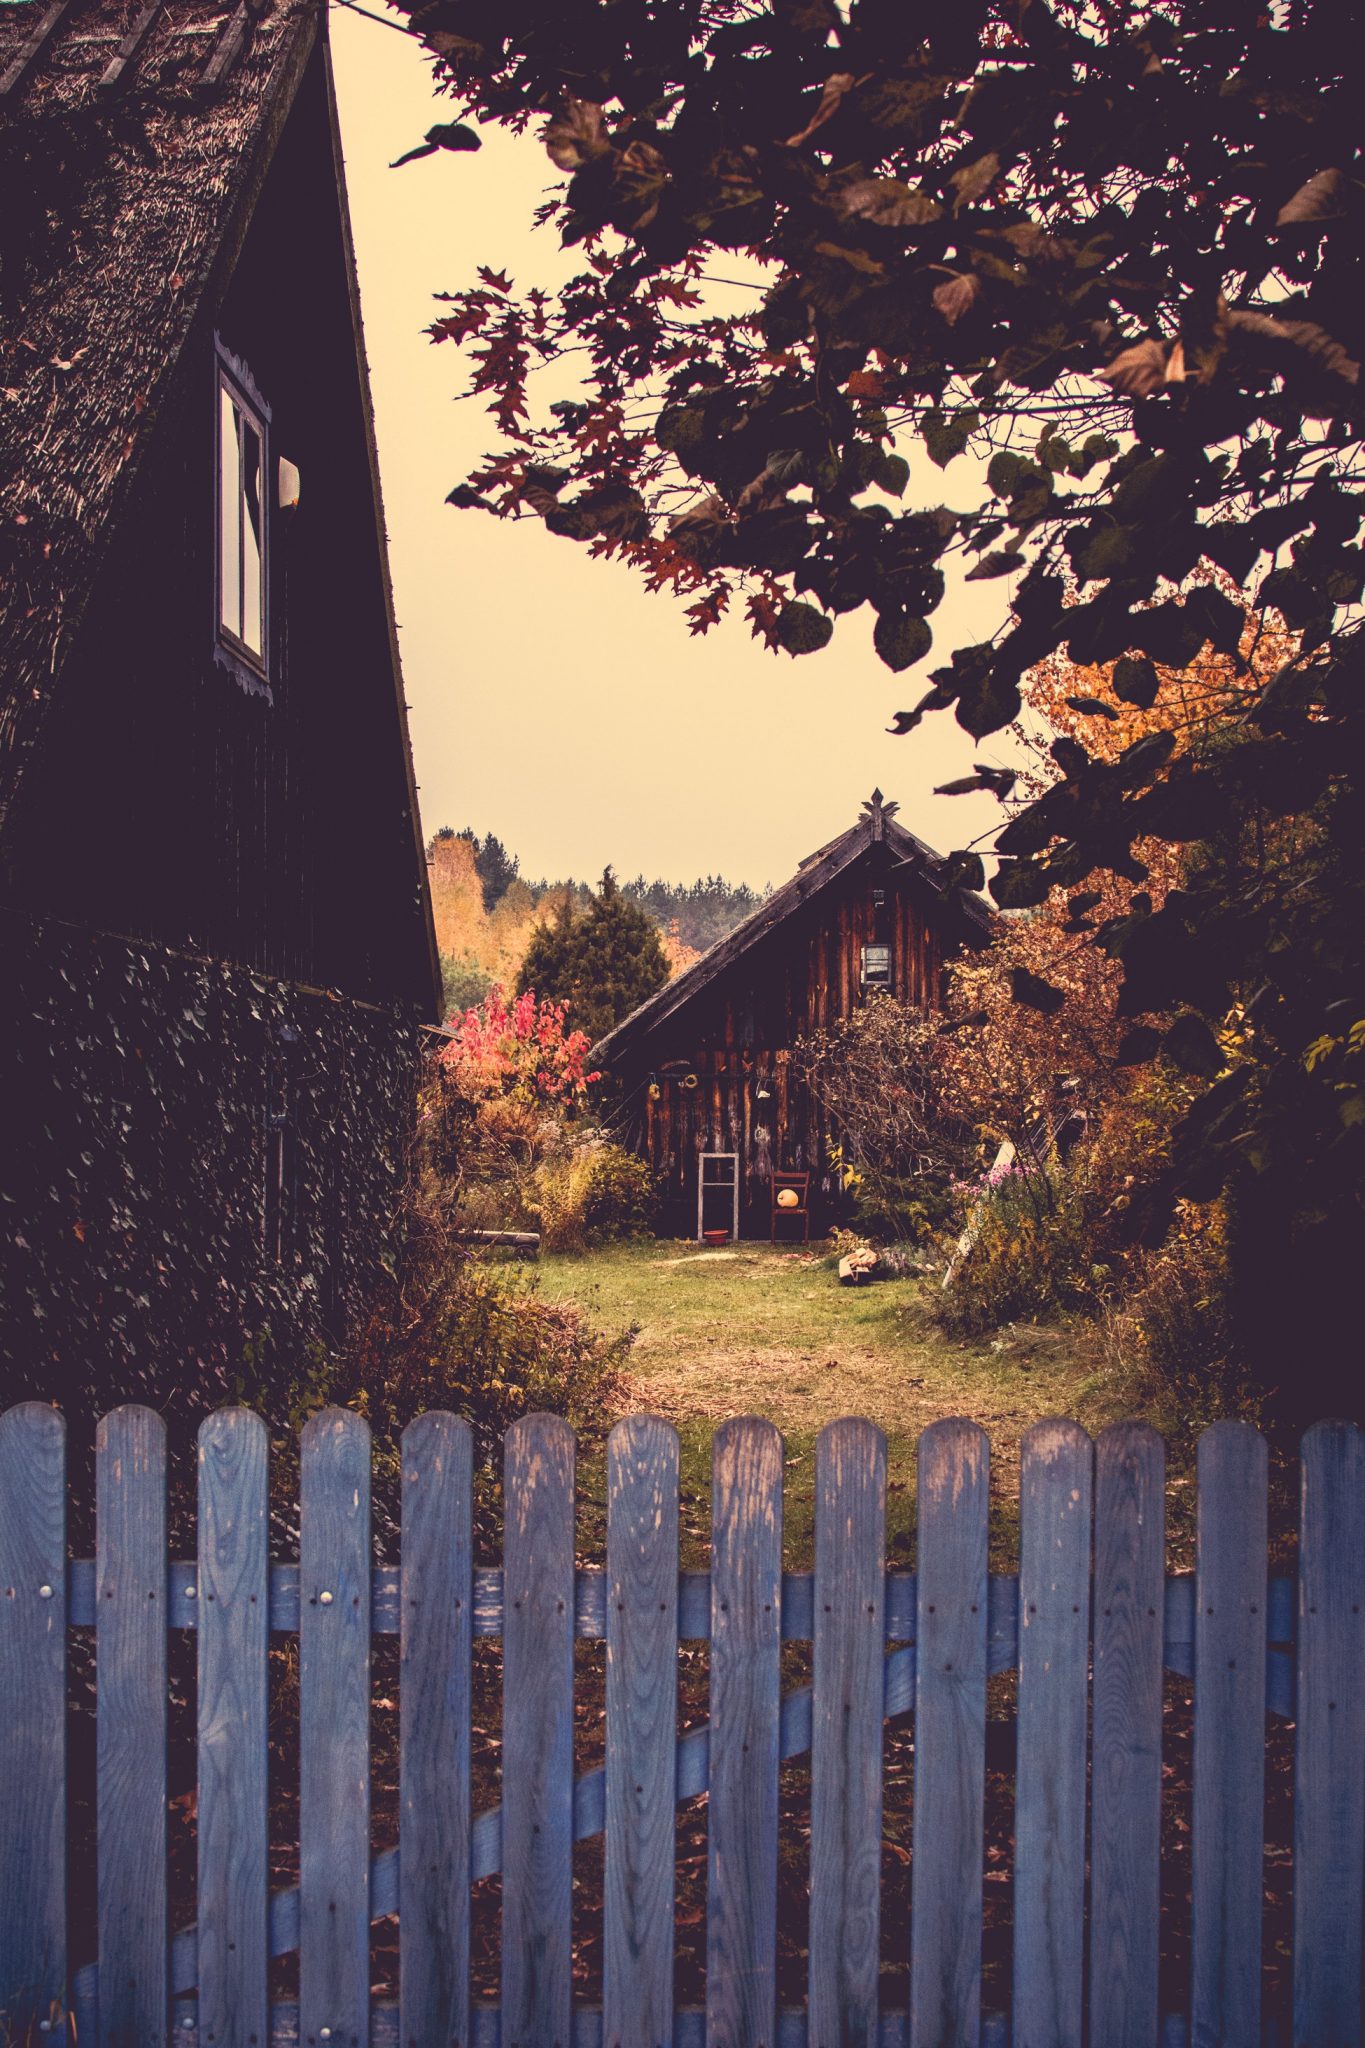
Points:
757	1330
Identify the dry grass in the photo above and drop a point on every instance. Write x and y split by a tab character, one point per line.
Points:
763	1331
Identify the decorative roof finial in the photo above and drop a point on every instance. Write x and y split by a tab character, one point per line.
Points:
876	811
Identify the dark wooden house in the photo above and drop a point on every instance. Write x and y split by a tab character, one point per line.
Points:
705	1065
217	945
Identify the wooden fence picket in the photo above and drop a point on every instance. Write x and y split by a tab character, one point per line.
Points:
950	1737
746	1682
1055	1492
537	1734
1125	1795
32	1721
334	1731
1329	1765
130	1581
1086	1928
1227	1848
434	1708
846	1735
642	1723
233	1595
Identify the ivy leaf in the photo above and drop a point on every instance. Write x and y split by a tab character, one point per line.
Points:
1193	1047
1035	993
1003	563
1091	707
963	871
577	136
892	474
445	135
1135	682
944	436
801	629
901	640
1138	1046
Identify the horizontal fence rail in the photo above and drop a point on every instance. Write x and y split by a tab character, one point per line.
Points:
1090	1625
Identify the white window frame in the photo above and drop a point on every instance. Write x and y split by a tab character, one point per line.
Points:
251	666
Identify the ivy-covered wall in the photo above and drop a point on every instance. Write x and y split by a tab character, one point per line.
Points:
199	1172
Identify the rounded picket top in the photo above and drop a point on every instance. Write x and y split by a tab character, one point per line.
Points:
1232	1450
438	1437
1055	1438
334	1427
637	1435
953	1456
130	1427
746	1450
541	1427
32	1423
1332	1432
848	1435
226	1428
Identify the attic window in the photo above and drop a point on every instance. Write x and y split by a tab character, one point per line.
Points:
876	967
243	577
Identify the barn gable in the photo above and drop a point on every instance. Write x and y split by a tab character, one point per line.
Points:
705	1064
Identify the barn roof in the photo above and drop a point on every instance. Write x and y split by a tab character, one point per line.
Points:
135	137
877	823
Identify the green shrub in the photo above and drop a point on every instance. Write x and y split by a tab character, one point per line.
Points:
600	1193
1030	1256
465	983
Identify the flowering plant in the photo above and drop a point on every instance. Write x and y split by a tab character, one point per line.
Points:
498	1047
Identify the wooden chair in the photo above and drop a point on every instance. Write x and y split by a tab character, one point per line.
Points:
801	1213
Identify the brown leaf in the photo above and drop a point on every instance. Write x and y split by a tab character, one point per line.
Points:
956	296
888	203
835	87
1137	371
1305	337
975	179
1318	200
577	136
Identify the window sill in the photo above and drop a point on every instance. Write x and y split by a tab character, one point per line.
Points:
242	672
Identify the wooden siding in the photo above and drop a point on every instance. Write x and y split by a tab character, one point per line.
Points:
737	1036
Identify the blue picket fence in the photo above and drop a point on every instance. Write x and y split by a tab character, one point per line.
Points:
1091	1623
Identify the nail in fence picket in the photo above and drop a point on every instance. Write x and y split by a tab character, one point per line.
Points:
1229	1736
1125	1824
1114	1632
434	1707
846	1736
642	1713
1329	1764
1055	1495
32	1720
746	1705
131	1712
334	1731
233	1593
950	1738
537	1734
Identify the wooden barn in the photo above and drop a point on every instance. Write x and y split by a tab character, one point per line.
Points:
218	951
710	1098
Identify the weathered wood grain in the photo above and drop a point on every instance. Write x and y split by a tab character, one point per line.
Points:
1125	1848
950	1738
537	1733
1055	1497
334	1730
434	1794
32	1720
1227	1849
130	1571
746	1643
233	1821
642	1722
1329	1760
846	1735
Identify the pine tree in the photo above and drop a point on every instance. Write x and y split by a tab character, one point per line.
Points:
603	962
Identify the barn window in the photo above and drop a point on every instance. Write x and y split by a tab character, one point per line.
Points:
243	557
876	967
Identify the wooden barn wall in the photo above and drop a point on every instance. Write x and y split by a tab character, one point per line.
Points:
169	803
737	1036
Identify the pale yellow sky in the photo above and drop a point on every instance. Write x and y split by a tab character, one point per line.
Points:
554	701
